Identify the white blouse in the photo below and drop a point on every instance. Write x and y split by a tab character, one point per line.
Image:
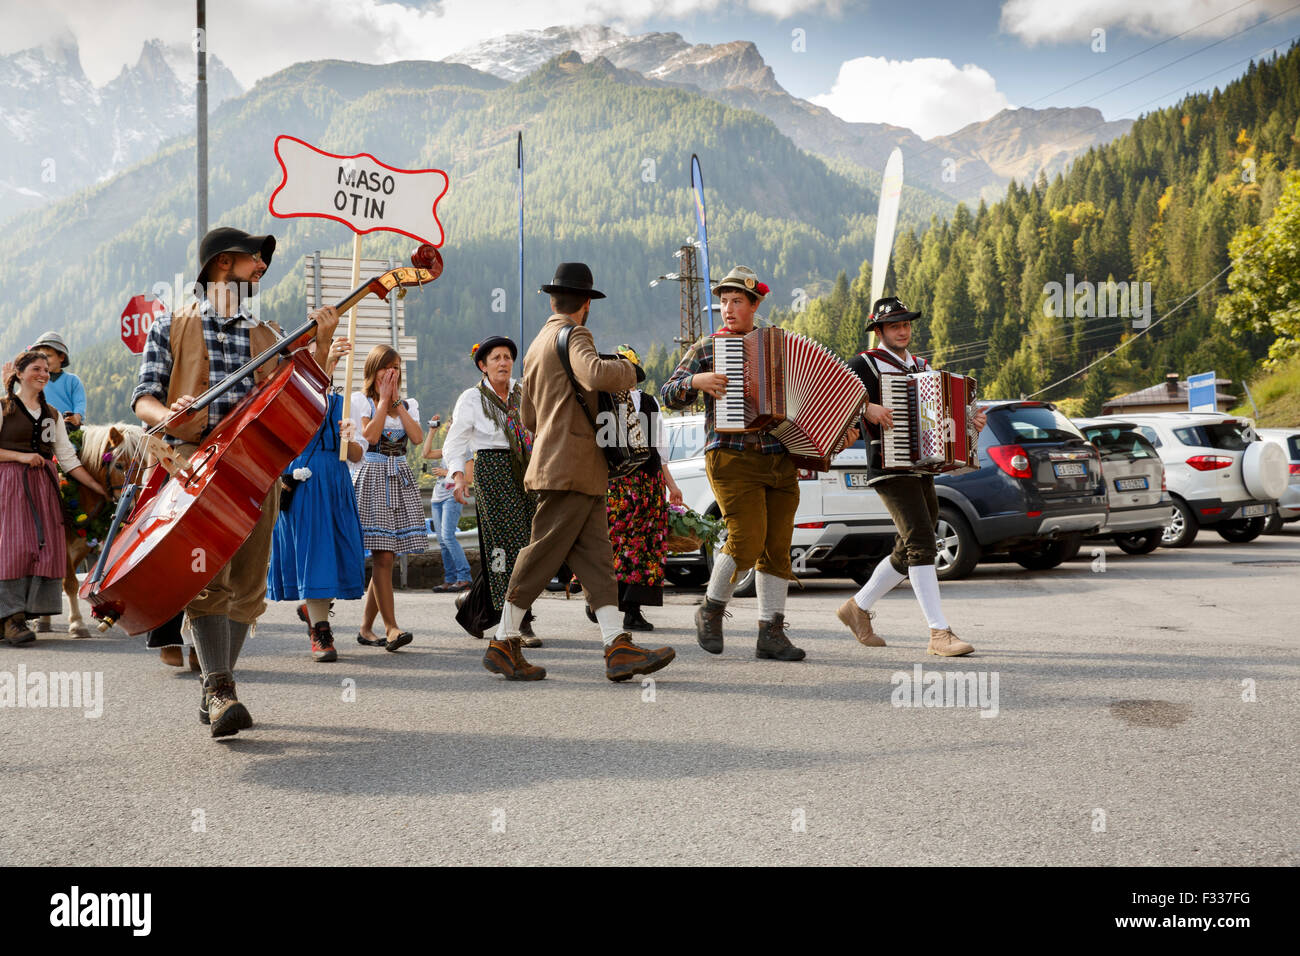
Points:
64	453
471	431
362	407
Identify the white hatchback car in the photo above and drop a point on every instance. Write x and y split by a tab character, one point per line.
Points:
1220	473
841	526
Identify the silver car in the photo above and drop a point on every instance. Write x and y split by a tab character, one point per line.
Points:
1138	504
1288	506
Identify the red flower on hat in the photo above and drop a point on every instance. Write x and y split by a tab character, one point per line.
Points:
762	288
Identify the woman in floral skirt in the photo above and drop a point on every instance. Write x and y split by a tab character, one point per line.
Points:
638	518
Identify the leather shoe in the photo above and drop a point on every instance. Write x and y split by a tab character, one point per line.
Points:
708	624
505	658
623	659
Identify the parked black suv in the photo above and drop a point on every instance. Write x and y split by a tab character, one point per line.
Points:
1038	490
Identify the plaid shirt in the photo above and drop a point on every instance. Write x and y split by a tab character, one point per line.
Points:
228	348
677	393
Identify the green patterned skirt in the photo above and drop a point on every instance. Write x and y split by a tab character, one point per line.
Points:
505	517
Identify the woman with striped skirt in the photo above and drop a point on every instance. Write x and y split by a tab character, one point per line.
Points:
388	499
486	425
33	558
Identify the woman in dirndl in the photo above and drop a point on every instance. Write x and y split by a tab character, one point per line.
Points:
637	506
486	425
33	553
316	552
392	512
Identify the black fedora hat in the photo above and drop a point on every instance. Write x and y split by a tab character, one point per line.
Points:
890	309
573	277
228	239
484	349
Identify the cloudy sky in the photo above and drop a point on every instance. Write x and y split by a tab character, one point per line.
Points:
931	65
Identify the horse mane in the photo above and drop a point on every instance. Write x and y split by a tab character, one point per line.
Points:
94	444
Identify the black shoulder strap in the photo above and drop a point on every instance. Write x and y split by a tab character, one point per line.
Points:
887	358
562	349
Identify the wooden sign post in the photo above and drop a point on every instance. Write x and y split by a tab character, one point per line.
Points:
364	194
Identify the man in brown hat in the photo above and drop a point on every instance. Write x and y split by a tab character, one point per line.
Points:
909	497
753	480
568	473
185	354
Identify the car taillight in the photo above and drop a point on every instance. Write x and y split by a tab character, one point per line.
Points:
812	524
1164	483
1295	468
805	474
1011	459
1209	462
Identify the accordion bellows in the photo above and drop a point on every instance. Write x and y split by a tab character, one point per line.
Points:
791	386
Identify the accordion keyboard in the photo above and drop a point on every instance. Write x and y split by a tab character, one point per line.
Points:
898	394
729	360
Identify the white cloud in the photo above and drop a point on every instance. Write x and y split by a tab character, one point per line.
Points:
256	38
1056	21
930	96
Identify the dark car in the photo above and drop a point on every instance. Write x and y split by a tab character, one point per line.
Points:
1038	490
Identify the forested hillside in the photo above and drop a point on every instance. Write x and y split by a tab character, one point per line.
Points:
1158	205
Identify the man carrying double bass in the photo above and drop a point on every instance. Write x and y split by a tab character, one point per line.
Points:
184	355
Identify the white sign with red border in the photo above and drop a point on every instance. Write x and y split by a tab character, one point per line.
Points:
361	192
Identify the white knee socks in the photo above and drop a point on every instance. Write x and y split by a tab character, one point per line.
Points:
925	585
883	580
510	618
720	585
771	595
611	623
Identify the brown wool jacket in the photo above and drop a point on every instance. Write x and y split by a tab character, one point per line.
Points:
565	454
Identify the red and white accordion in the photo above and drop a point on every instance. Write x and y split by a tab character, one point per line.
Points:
933	428
789	385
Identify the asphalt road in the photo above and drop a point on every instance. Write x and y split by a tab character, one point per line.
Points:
1121	736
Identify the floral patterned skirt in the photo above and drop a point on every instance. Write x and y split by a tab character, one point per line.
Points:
638	527
505	517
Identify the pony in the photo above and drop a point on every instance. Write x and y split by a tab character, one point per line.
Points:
109	453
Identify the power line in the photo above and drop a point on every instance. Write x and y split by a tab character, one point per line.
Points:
1128	342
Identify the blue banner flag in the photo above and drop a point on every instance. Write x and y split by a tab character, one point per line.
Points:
702	220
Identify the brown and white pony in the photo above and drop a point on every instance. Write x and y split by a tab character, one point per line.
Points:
108	452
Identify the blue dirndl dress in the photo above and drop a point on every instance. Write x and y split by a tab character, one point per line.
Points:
316	548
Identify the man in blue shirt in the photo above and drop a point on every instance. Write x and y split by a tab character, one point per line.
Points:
64	391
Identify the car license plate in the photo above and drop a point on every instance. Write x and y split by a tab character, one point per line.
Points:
856	479
1254	511
1069	469
1130	484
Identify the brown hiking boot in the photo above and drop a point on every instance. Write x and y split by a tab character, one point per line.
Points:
16	630
226	714
773	644
173	655
945	644
708	624
505	658
623	659
859	622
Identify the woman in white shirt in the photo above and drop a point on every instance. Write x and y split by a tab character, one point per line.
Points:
388	499
486	426
33	556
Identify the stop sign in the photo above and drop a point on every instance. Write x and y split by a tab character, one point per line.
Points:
137	317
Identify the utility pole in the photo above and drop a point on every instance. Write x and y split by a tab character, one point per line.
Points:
201	92
692	326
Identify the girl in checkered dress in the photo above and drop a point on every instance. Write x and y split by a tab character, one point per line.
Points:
388	499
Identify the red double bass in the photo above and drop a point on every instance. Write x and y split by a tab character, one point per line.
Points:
171	535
